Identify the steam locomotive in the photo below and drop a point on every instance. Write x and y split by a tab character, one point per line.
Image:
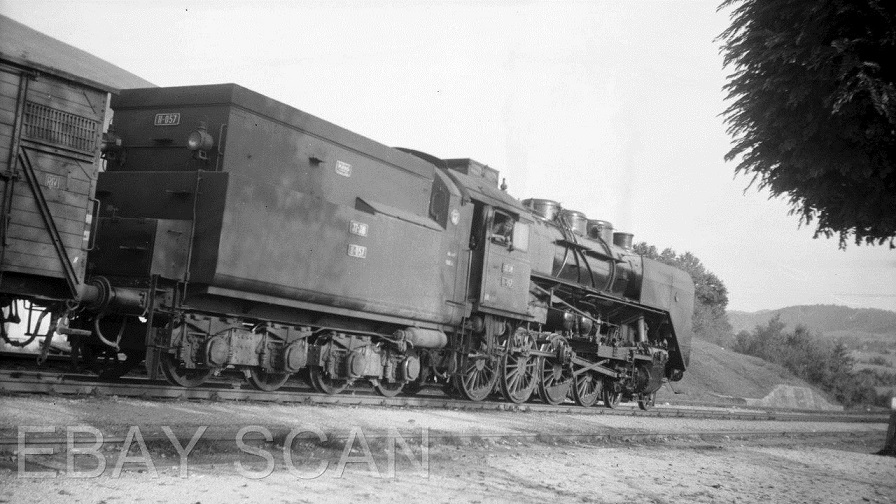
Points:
236	232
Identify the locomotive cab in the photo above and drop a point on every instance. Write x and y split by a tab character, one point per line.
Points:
499	274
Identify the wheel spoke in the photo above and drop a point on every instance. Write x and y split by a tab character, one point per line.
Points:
478	379
647	402
470	379
587	389
515	379
610	397
556	379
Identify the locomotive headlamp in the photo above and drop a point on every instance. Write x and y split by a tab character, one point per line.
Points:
200	141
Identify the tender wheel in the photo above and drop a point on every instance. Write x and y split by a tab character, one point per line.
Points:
179	375
610	397
478	378
386	389
322	382
555	372
519	369
646	402
587	389
267	381
320	378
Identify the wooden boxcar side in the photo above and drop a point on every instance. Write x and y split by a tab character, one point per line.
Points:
51	130
53	107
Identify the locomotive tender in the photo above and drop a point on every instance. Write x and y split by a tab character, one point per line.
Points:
238	232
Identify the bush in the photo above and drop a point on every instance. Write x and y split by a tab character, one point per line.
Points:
877	360
820	362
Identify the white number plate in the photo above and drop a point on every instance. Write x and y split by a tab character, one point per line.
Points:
169	119
358	251
358	228
343	168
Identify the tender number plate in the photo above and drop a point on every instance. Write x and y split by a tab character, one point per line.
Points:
343	168
358	228
168	119
358	251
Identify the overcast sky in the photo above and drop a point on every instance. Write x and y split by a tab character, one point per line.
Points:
611	108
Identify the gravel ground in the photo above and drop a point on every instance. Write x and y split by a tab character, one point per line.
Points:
114	415
671	472
470	456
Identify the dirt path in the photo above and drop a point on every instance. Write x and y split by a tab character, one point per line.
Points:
755	472
469	456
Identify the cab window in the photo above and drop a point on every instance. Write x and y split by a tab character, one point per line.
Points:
506	230
439	200
501	230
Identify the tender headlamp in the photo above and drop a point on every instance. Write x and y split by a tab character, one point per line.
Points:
200	141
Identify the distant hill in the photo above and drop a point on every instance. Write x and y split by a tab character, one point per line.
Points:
828	320
720	376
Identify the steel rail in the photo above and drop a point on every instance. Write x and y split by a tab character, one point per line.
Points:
30	382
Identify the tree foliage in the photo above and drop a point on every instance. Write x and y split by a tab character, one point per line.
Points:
813	109
710	294
819	361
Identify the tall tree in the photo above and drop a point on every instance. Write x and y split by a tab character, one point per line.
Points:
813	109
710	294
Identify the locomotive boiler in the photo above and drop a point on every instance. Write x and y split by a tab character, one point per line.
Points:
236	232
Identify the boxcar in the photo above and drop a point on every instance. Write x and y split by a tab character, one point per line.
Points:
53	107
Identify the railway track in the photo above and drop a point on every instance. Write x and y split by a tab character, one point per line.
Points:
336	439
74	384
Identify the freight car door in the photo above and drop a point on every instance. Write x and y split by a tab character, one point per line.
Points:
50	169
505	275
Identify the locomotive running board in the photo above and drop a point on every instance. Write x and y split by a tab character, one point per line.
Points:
538	278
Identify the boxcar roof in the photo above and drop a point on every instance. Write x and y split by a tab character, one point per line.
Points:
30	48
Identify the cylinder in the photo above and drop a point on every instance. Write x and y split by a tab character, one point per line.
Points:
600	229
576	221
424	338
623	240
544	208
